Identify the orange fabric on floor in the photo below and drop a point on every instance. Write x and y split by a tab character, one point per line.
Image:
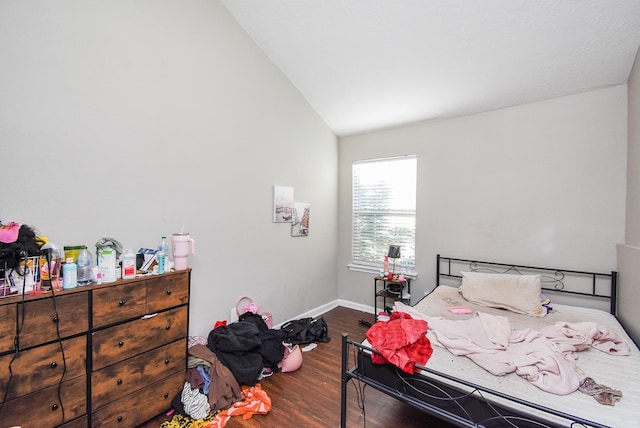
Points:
255	401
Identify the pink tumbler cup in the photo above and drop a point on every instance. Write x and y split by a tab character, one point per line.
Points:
182	246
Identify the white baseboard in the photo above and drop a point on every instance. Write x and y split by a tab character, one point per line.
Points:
317	311
356	306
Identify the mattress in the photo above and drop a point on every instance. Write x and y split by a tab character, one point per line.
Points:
617	372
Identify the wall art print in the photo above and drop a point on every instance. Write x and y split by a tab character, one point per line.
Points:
300	221
282	204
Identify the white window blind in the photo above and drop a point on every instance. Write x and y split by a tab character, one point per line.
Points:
384	211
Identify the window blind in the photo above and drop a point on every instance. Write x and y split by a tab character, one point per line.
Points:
384	211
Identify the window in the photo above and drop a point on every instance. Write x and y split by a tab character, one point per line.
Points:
384	212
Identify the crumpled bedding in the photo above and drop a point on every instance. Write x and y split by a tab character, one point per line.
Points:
545	358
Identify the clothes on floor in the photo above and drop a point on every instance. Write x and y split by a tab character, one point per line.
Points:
238	346
255	401
223	388
194	403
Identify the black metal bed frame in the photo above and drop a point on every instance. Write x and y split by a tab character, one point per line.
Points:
465	404
552	279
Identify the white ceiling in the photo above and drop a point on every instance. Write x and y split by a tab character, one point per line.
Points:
372	64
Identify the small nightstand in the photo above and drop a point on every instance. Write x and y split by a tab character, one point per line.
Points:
389	289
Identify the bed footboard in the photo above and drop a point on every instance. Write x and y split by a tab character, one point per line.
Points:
455	401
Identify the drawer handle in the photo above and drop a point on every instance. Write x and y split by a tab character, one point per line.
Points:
166	361
120	418
168	326
120	343
166	395
54	406
54	365
56	319
121	302
119	381
168	291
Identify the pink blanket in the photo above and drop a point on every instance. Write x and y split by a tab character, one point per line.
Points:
545	358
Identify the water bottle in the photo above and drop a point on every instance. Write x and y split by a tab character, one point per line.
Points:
69	274
162	254
85	265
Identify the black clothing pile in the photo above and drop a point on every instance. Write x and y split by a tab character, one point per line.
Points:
246	347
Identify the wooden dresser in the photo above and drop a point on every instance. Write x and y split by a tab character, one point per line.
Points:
110	355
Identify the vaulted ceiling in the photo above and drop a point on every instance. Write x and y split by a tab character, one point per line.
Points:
370	64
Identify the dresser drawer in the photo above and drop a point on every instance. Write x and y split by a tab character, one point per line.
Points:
43	409
167	291
81	422
118	303
37	368
9	326
122	341
40	318
118	380
131	411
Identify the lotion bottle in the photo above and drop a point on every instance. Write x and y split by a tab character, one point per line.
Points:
69	274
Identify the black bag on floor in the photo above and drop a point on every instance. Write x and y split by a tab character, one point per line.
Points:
305	330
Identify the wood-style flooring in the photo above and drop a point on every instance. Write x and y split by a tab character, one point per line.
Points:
310	396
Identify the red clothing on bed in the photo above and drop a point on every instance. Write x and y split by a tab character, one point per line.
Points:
401	341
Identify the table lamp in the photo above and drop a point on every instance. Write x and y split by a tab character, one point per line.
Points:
394	253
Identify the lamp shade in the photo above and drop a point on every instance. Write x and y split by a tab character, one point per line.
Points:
394	251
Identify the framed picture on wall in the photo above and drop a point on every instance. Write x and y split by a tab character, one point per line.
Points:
282	204
300	221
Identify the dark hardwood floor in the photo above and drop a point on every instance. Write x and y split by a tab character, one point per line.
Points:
310	396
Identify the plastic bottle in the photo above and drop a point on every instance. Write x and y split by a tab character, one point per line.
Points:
128	265
162	254
85	265
107	263
69	274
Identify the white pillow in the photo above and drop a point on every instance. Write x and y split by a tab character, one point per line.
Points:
517	293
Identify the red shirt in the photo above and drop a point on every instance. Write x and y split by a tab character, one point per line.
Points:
401	341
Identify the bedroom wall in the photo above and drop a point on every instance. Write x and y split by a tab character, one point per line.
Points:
131	119
629	250
541	184
632	230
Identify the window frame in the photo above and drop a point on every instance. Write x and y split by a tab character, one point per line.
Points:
389	216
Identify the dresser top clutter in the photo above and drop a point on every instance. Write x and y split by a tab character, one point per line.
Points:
85	342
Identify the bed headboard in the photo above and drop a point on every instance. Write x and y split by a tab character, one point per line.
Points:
601	287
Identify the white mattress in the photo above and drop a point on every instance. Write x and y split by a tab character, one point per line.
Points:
618	372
